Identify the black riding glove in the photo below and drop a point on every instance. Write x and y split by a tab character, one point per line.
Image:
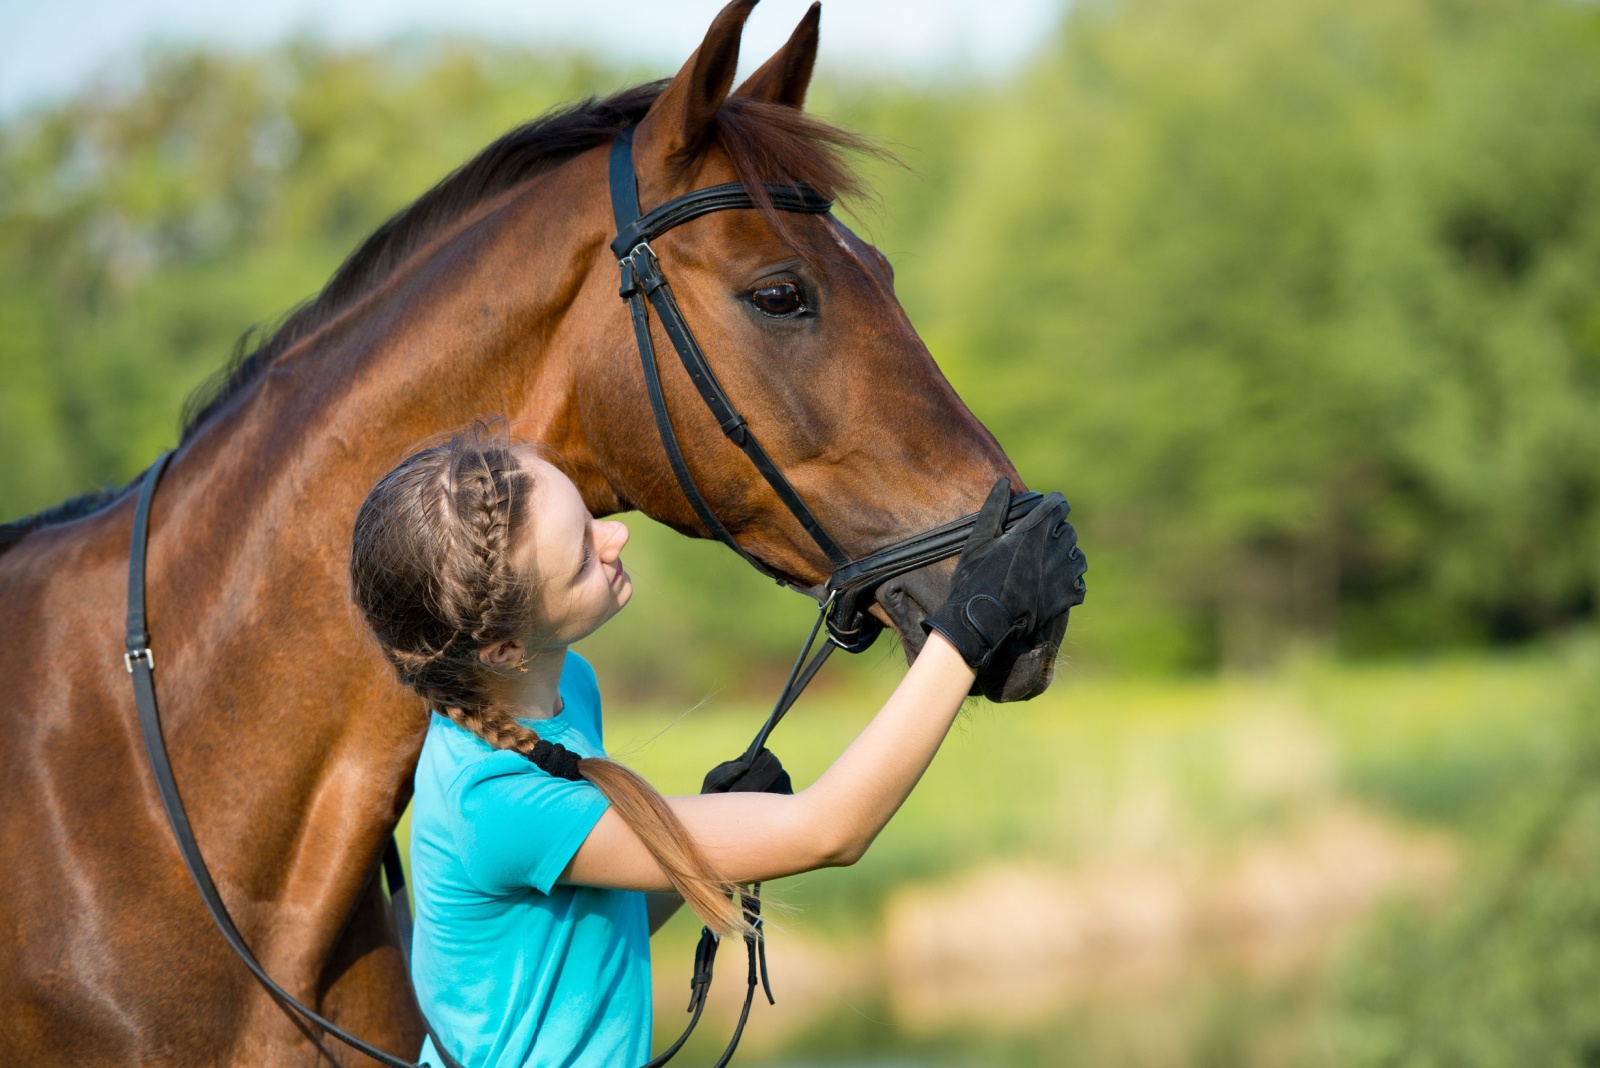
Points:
1010	582
764	776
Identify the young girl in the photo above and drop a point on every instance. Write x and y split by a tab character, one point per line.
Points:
476	565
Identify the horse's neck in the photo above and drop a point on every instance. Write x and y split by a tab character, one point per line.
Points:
266	668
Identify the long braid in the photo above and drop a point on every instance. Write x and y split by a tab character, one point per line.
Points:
432	569
482	495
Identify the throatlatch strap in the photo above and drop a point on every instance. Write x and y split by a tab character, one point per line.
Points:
624	188
140	663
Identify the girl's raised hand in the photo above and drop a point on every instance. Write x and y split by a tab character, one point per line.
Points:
1010	581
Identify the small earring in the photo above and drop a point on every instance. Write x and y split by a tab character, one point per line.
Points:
523	667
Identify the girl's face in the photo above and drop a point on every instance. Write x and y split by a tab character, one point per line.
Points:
575	559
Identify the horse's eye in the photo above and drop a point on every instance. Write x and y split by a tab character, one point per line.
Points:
780	299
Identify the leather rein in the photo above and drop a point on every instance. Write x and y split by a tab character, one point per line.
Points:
842	609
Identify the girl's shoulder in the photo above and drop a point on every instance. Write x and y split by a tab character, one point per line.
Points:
454	759
453	755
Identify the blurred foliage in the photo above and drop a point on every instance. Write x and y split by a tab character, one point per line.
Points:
1113	770
1299	302
1509	973
1119	767
1510	977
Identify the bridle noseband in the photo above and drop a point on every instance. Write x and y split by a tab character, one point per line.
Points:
845	595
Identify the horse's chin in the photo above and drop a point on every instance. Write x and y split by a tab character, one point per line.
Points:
1020	670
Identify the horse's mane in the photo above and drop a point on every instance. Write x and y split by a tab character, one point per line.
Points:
764	142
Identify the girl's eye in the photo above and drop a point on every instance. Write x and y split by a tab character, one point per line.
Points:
780	300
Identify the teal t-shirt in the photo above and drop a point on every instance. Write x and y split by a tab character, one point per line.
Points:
510	968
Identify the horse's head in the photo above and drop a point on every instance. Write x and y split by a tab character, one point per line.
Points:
798	318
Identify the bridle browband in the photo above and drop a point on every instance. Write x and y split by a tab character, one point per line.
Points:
842	609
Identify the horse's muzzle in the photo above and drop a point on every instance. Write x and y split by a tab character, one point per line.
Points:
1020	669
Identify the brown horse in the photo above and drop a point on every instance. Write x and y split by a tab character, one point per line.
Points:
292	744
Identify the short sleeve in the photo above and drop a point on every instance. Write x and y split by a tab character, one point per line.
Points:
517	826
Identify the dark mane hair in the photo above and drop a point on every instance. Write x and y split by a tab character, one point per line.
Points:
528	150
764	142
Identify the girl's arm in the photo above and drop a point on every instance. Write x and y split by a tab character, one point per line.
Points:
751	837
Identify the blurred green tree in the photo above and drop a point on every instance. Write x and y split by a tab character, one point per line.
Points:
1299	302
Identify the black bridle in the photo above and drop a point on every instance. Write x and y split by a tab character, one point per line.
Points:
849	589
842	611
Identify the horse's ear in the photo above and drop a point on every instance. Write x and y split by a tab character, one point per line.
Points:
784	78
681	120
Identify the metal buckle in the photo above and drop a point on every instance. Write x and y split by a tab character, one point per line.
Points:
133	656
849	641
627	261
641	265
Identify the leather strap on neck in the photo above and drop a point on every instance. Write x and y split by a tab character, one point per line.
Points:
141	663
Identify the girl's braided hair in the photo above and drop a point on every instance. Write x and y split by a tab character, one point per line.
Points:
431	570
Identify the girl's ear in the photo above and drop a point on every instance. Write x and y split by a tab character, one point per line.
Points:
503	655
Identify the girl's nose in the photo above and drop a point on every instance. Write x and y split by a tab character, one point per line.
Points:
613	539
